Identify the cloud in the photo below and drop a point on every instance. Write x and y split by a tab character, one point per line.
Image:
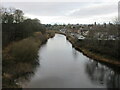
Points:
74	20
59	0
94	10
67	12
45	8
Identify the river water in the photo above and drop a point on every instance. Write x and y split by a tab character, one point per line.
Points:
61	66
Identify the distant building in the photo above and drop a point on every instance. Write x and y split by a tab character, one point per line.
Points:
81	37
63	30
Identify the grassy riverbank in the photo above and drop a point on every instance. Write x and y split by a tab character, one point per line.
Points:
79	45
20	59
108	55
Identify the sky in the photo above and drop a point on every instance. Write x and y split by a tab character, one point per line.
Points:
67	11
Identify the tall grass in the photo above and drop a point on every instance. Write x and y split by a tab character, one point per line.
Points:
20	59
25	50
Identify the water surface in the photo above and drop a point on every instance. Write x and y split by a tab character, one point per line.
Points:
61	66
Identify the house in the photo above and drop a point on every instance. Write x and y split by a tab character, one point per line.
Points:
63	30
84	31
81	37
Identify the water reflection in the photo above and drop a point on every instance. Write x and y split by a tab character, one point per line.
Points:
61	66
101	74
26	76
75	54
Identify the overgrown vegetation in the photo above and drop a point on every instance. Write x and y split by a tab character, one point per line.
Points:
22	38
20	59
107	48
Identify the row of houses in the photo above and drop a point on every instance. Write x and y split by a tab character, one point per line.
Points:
84	30
79	33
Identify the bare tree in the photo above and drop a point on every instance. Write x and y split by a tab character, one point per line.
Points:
18	14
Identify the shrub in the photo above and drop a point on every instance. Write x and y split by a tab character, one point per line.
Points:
25	50
40	36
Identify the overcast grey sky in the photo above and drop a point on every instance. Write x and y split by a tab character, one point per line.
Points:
82	12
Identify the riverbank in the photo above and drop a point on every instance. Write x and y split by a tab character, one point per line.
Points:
58	32
95	56
20	59
88	52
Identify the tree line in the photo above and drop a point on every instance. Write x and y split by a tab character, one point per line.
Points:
16	27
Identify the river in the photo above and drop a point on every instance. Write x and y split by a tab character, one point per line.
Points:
61	66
